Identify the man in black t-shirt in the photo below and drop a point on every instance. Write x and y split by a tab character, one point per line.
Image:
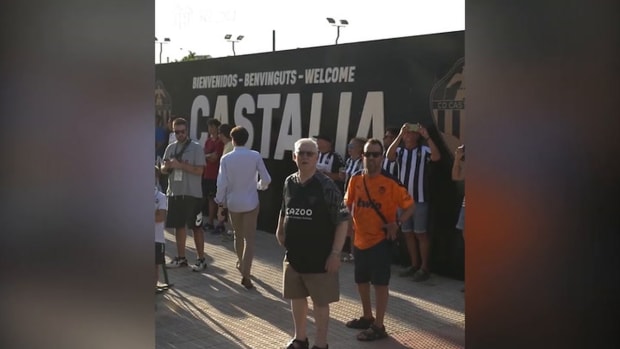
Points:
312	227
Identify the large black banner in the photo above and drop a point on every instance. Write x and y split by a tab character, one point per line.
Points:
344	91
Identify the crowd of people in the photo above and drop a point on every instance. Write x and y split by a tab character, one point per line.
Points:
333	210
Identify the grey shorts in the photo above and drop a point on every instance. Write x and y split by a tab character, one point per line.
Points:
323	288
418	223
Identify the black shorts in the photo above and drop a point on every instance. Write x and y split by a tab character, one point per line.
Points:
373	264
209	188
160	251
184	211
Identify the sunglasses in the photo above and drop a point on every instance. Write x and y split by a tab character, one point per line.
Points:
373	154
305	153
176	132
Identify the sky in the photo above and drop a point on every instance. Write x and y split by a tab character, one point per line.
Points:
200	25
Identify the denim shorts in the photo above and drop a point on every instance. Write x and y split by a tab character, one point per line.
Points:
418	223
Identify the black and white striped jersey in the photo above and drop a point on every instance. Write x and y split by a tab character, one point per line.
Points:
412	165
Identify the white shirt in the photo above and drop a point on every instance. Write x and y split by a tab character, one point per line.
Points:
237	179
161	203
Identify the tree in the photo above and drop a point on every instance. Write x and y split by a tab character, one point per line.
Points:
193	57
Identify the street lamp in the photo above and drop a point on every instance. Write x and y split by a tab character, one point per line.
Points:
229	38
343	23
161	46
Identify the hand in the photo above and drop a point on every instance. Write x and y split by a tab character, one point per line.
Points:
404	128
423	131
459	153
174	163
333	263
392	230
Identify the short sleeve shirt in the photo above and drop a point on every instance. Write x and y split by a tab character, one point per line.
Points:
190	184
388	195
311	212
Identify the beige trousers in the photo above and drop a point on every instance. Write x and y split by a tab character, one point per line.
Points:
244	224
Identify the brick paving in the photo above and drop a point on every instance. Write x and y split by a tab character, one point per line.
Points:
211	309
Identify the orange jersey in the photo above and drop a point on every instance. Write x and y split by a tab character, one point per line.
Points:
387	194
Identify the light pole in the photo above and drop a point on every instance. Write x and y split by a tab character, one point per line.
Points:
229	38
161	46
343	23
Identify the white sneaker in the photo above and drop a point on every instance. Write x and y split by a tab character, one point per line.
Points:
200	265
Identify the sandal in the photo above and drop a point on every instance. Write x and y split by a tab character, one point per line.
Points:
360	324
372	333
298	344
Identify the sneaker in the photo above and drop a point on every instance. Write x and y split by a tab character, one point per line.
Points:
408	272
200	265
421	275
351	259
177	262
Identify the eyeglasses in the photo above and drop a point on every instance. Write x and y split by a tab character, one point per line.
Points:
373	154
176	132
305	153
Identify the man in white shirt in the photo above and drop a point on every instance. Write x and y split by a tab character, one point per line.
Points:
237	190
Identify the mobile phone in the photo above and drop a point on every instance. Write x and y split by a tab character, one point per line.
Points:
413	127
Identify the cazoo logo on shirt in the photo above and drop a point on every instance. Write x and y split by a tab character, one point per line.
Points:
299	213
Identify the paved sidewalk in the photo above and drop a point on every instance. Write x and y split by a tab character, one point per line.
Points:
212	310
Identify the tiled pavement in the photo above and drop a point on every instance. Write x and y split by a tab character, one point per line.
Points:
212	310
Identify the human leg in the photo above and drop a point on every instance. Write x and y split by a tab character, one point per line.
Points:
408	228
381	273
324	288
176	220
249	222
294	289
181	236
423	239
321	318
425	246
199	241
239	243
363	263
299	308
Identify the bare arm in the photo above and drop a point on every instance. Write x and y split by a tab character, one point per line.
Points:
160	216
391	151
458	172
332	264
280	236
184	166
435	154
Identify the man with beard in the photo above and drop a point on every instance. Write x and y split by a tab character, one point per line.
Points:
374	197
184	162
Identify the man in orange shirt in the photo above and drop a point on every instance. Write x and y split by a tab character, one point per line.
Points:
368	193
